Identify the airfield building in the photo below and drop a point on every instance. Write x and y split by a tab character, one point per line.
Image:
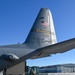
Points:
64	68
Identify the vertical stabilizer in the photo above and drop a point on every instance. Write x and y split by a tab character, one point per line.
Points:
42	32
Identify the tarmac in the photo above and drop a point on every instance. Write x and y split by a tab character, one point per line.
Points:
57	74
48	74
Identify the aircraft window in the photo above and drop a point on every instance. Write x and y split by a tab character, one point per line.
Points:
41	17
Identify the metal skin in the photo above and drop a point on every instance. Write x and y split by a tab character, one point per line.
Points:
41	42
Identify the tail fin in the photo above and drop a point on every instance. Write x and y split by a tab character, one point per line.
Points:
42	32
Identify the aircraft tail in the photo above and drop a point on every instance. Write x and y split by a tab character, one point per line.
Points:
42	32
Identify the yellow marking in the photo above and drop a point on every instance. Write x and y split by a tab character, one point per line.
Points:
44	31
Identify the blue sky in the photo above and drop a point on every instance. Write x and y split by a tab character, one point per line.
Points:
18	16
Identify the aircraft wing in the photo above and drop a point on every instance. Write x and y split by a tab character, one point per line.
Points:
55	48
49	50
43	52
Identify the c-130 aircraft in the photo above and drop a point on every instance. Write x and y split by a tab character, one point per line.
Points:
41	42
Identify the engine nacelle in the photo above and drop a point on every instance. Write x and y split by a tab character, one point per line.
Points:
9	57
